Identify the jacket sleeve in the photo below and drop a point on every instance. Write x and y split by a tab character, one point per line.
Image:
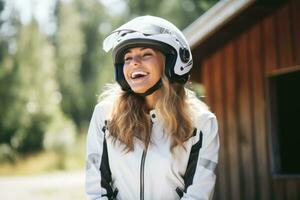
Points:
200	180
95	183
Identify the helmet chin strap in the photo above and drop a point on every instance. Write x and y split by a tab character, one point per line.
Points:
155	87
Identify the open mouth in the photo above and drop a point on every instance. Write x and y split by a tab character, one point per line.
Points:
138	75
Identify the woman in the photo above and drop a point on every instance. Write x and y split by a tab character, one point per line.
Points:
149	137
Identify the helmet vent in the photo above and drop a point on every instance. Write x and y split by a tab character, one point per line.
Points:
184	55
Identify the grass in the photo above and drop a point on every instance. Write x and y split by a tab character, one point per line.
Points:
47	161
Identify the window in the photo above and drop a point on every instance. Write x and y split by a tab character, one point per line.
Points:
285	122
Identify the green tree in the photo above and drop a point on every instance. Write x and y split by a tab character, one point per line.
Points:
82	65
69	41
96	66
29	93
180	12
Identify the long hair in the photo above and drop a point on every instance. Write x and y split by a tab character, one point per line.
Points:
130	116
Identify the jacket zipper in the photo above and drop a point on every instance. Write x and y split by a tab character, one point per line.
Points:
142	174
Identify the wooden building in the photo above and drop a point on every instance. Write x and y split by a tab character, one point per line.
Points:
247	55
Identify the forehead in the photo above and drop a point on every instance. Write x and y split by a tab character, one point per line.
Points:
134	49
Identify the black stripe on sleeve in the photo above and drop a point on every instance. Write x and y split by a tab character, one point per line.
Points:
192	163
105	171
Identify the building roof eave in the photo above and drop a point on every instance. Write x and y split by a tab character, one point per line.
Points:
213	19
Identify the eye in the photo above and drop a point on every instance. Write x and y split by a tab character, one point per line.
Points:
127	59
147	54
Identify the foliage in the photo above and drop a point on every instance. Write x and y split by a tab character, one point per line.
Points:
82	68
29	92
180	12
47	161
69	40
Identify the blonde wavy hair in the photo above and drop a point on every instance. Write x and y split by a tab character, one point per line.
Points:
130	116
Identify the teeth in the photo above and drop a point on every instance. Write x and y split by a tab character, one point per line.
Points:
137	74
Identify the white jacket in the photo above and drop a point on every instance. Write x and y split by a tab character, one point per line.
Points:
153	173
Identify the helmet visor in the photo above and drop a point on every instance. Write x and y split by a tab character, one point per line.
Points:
146	29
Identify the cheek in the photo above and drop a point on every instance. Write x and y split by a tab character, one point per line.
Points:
161	66
125	69
158	71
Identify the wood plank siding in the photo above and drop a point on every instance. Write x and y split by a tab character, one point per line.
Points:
236	76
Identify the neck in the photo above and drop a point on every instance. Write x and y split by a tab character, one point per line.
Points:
152	99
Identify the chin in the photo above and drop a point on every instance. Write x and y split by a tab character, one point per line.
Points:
138	90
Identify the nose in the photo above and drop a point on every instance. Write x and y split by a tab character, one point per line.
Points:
136	60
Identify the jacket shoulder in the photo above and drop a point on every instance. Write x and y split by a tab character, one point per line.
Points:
104	108
201	115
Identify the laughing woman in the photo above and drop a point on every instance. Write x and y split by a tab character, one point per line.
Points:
150	137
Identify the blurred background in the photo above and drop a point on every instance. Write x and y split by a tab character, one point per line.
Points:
52	68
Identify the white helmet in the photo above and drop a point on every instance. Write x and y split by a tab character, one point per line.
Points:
153	32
